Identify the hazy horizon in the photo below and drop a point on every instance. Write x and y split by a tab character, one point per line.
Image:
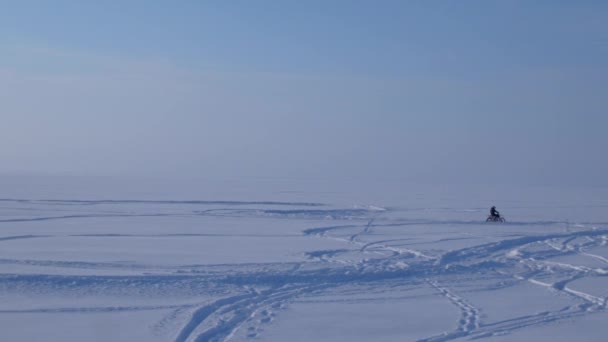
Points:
505	92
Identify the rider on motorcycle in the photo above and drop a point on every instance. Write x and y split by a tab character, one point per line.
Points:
494	213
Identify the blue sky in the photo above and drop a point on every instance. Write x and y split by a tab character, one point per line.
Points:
433	91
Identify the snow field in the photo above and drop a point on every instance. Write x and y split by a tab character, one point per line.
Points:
184	270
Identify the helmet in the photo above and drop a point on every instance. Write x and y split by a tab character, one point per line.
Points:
493	207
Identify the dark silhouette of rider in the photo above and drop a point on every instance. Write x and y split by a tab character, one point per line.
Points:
494	212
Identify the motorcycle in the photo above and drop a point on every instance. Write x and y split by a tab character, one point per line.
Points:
495	219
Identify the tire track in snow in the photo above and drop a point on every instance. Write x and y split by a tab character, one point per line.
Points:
486	250
93	309
508	326
596	257
590	303
469	324
565	247
382	245
66	217
581	249
307	214
363	247
221	319
19	237
365	230
469	318
322	231
202	313
600	303
176	202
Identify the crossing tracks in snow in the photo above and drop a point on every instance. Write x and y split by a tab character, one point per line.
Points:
356	248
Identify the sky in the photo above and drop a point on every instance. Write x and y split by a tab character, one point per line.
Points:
512	92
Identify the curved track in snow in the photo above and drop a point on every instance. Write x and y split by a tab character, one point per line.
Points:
376	248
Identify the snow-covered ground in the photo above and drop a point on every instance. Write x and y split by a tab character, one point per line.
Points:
285	261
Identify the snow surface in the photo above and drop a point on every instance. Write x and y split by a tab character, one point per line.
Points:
285	261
